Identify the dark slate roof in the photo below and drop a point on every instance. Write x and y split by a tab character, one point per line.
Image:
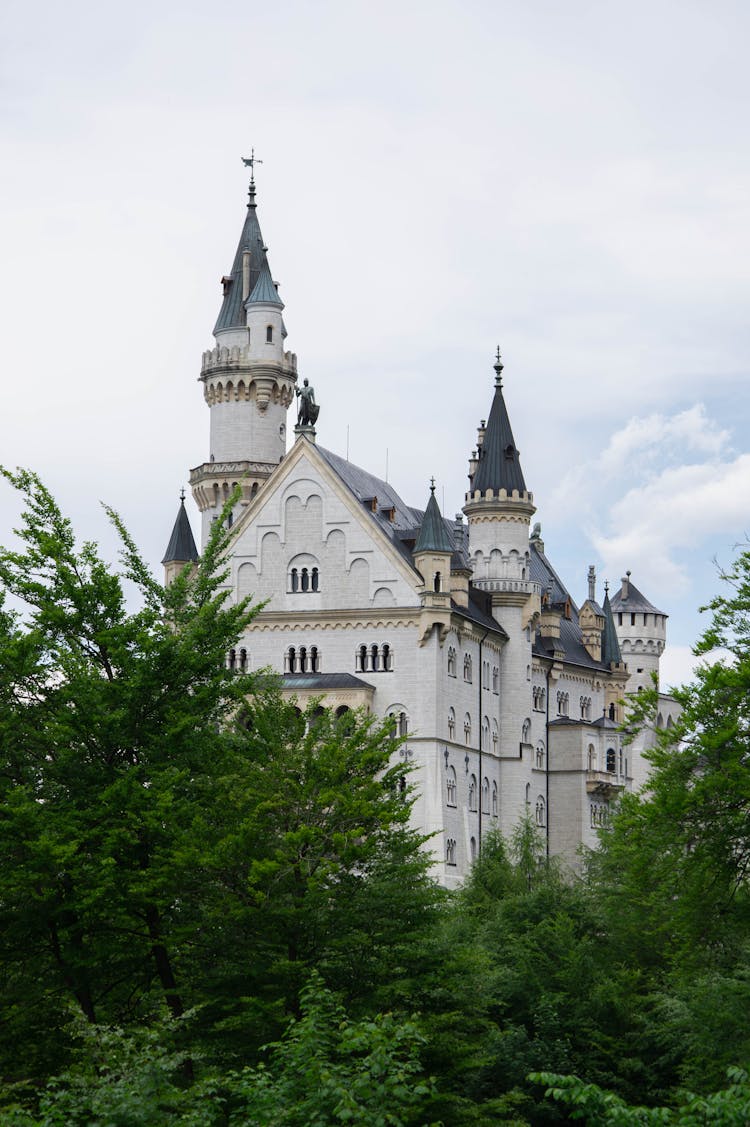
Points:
570	642
635	601
232	313
604	722
610	644
477	614
264	291
324	681
499	466
181	547
433	535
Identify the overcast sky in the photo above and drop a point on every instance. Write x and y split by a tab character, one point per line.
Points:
571	181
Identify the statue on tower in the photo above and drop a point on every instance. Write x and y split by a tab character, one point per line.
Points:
308	410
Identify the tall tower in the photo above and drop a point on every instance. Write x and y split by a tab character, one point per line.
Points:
499	508
248	379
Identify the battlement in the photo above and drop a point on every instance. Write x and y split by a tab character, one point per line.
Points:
238	357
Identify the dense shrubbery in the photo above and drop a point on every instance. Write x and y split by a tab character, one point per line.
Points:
178	891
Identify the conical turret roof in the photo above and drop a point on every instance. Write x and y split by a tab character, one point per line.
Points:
265	291
181	547
232	312
499	465
433	535
610	645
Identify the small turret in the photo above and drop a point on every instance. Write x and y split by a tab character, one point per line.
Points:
612	658
642	633
433	550
181	550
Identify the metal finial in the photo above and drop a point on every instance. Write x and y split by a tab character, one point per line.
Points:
182	494
250	162
432	485
606	586
498	366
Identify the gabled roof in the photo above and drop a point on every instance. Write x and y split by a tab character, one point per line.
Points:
181	547
433	536
633	600
610	644
232	312
499	465
264	291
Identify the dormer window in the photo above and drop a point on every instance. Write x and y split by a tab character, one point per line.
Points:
269	334
509	452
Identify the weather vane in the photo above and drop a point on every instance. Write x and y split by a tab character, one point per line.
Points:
250	162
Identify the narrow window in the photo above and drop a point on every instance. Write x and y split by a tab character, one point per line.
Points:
295	579
243	660
305	579
302	659
232	659
486	796
494	800
611	760
437	581
473	793
451	724
292	660
473	848
362	659
314	659
540	812
374	658
269	334
315	579
450	787
467	730
387	663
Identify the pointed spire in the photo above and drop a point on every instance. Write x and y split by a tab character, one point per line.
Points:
264	292
251	252
181	547
611	654
433	535
499	465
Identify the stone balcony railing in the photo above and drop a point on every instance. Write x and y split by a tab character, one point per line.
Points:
515	586
604	782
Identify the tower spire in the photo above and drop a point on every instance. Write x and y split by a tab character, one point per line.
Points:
250	162
499	466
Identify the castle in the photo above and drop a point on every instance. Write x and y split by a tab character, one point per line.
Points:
508	692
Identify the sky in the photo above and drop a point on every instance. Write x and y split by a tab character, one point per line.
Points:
570	182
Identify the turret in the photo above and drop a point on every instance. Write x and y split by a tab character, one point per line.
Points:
615	686
591	620
641	631
432	554
248	379
181	550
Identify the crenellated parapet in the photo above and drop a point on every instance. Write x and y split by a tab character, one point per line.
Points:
214	482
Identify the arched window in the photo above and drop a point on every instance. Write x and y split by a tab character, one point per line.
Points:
305	583
591	759
594	814
291	660
451	662
473	849
485	734
295	579
374	659
314	579
467	668
528	794
232	660
303	659
612	712
269	334
467	730
436	583
387	658
243	661
314	660
494	737
360	661
403	723
450	786
494	800
495	679
611	760
451	724
526	731
450	852
485	795
540	754
254	489
540	812
542	699
473	792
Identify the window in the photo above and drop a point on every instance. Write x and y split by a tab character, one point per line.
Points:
360	663
612	712
451	662
295	579
473	849
305	580
611	760
540	812
387	664
473	793
485	795
591	758
494	800
243	661
585	708
526	731
450	786
450	852
290	661
303	659
495	679
314	660
467	730
563	704
485	675
232	660
467	668
374	659
539	697
494	737
539	762
436	583
314	577
403	724
451	724
269	334
485	734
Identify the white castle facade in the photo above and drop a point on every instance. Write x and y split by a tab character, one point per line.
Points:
508	692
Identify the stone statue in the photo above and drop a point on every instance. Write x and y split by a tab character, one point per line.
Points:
308	410
536	532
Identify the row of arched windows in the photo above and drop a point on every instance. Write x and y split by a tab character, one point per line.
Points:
302	660
490	673
487	733
304	579
539	696
563	704
374	658
490	798
237	661
585	708
599	814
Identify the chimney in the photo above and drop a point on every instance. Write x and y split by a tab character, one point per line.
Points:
625	592
592	583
